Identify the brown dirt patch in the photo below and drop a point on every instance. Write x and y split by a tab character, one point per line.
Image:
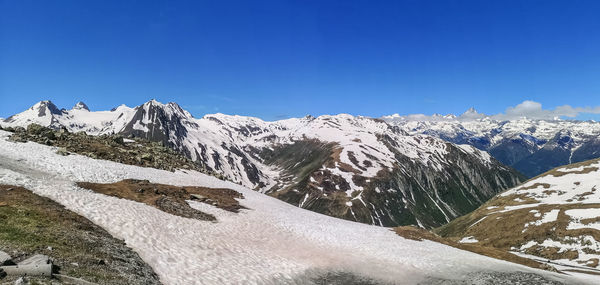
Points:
168	198
535	185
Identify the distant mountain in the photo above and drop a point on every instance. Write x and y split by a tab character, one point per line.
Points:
555	216
356	168
530	146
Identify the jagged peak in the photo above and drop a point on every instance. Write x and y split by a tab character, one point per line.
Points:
471	110
42	106
80	106
153	102
169	108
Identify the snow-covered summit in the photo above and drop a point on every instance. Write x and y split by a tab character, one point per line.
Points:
80	106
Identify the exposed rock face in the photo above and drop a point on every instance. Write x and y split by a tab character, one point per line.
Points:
356	168
81	106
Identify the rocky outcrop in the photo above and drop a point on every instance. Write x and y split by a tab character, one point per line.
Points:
109	147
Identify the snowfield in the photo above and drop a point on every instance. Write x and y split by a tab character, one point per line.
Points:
271	243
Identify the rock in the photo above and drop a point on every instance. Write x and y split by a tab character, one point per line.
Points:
198	197
35	129
49	134
118	140
37	259
2	273
4	258
62	151
37	265
22	281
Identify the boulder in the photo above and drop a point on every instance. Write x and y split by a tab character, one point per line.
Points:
62	151
36	259
198	197
37	265
4	258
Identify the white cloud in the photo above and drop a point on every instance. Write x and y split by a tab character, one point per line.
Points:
526	109
533	110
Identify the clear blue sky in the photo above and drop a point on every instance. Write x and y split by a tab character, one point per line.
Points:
275	59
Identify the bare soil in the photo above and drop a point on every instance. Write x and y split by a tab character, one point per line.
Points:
170	199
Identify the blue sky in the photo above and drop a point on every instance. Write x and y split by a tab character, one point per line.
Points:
276	59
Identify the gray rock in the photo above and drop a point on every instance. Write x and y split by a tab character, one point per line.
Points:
62	151
198	197
4	257
36	259
22	281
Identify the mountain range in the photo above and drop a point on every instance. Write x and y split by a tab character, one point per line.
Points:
352	167
530	146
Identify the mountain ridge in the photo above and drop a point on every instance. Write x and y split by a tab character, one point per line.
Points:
353	167
531	146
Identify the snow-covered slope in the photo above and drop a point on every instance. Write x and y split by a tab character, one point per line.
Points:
79	118
270	243
357	168
555	216
530	146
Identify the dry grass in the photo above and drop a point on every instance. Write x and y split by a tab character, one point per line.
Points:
168	198
505	230
31	224
413	233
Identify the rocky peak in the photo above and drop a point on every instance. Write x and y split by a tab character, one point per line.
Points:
45	108
81	106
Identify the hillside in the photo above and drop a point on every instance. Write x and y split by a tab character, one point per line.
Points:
553	217
356	168
80	249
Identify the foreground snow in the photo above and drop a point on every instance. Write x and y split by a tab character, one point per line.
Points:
273	242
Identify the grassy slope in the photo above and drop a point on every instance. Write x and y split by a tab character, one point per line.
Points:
504	230
31	224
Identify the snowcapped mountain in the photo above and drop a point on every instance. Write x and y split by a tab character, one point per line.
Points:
268	242
79	118
555	216
530	146
357	168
